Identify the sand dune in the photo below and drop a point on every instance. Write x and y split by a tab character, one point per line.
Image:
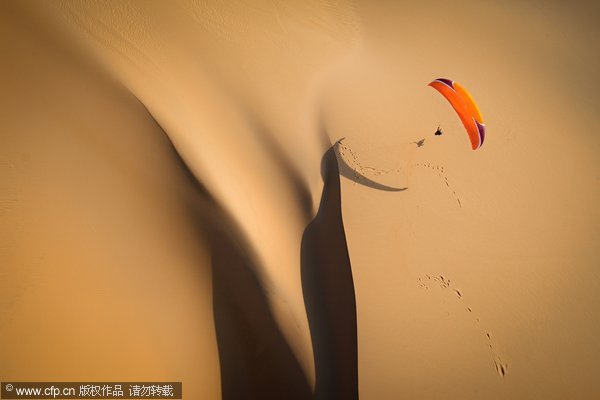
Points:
176	201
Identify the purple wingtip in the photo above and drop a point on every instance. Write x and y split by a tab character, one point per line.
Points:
446	81
481	130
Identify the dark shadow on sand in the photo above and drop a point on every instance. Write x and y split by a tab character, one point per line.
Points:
329	292
348	172
256	362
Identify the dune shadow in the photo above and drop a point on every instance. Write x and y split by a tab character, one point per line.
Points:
348	172
328	290
256	361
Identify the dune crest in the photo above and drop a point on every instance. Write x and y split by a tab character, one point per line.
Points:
176	202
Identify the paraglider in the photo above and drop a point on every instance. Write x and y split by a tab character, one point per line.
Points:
465	107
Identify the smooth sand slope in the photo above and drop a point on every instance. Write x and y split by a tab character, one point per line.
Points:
172	209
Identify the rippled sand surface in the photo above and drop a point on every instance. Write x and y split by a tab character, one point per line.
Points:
248	196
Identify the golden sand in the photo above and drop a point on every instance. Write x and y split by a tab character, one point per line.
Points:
478	281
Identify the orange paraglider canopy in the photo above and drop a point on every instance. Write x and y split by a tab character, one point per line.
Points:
466	108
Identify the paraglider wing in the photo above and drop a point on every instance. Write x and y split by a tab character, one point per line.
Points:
465	107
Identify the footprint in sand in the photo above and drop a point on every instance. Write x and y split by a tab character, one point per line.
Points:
361	169
428	281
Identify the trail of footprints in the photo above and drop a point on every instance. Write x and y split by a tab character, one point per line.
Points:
440	172
352	159
429	280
